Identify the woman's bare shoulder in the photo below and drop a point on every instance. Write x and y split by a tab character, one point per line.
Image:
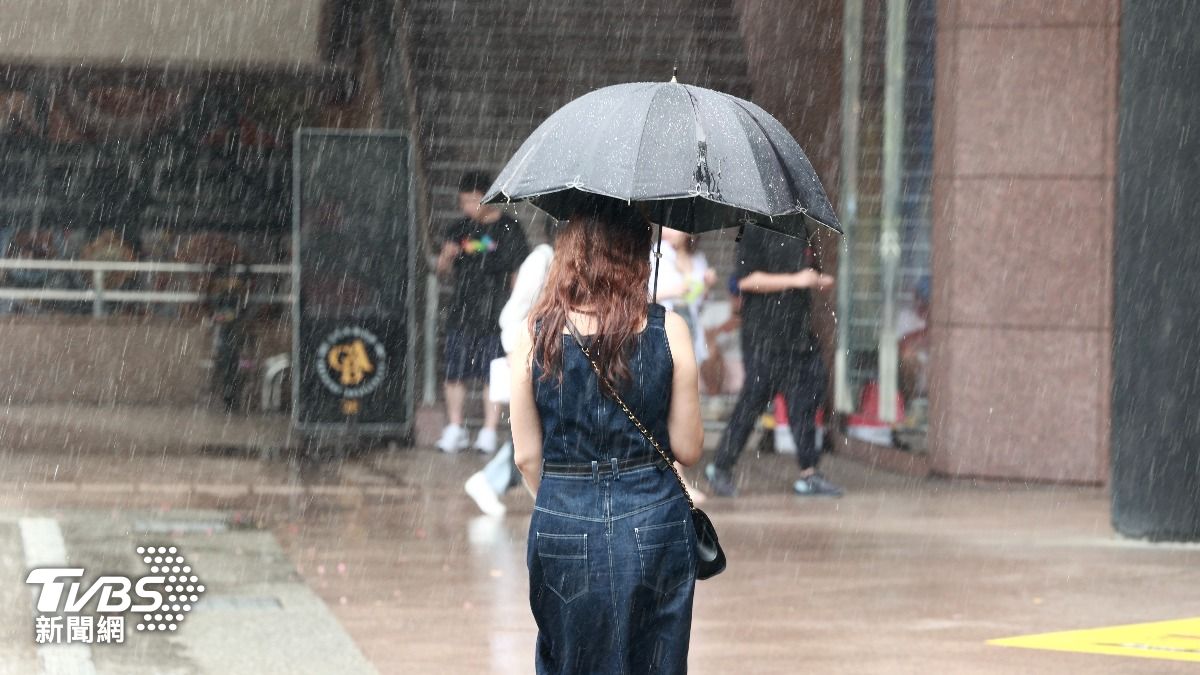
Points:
674	323
679	338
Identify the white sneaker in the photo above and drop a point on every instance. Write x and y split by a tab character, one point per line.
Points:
487	442
454	438
785	443
478	489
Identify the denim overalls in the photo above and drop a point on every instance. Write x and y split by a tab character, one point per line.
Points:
611	557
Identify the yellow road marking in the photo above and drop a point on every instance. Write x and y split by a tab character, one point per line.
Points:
1177	640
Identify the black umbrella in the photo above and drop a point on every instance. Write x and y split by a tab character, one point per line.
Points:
694	159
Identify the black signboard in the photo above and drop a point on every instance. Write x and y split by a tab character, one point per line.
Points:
354	260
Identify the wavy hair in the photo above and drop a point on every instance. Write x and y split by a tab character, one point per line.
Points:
601	267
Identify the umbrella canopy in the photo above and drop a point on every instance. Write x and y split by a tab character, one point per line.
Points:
695	159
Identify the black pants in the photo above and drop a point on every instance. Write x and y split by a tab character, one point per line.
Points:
800	377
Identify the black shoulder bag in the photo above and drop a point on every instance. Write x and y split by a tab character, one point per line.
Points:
710	557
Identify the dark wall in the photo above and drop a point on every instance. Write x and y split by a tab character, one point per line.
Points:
1156	322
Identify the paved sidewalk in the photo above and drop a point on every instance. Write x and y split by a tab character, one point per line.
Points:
138	429
255	614
903	575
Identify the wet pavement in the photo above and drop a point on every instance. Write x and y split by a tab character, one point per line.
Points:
381	563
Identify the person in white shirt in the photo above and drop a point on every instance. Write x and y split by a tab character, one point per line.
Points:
695	278
671	285
487	485
684	278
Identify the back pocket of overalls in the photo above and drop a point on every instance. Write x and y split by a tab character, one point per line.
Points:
663	550
564	564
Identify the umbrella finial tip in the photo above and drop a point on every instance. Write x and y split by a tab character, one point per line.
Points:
675	74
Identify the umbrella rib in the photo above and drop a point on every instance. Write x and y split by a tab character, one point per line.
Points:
779	160
517	169
594	149
700	135
637	156
783	170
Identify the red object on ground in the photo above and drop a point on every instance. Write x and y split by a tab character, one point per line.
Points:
865	423
781	418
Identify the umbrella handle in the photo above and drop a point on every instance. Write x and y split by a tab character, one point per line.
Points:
657	264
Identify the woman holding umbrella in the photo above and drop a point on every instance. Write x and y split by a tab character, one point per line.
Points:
615	546
611	553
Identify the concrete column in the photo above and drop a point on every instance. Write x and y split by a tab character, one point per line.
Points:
1156	376
1025	113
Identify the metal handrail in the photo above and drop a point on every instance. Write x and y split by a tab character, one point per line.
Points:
126	266
89	295
98	295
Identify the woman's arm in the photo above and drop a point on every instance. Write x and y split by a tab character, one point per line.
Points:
768	282
445	261
683	419
526	425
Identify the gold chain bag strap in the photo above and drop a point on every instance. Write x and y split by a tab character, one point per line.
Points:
710	558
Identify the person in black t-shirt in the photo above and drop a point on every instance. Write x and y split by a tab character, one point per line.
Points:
780	355
478	253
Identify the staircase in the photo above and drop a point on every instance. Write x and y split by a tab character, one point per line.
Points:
485	73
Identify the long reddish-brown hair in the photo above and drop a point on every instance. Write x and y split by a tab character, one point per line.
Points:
601	267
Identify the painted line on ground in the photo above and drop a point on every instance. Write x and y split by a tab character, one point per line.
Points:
1177	640
42	542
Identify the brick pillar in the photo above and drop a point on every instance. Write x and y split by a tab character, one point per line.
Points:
1023	191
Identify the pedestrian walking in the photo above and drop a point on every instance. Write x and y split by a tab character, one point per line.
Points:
696	279
611	551
780	354
691	278
478	253
485	487
615	546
